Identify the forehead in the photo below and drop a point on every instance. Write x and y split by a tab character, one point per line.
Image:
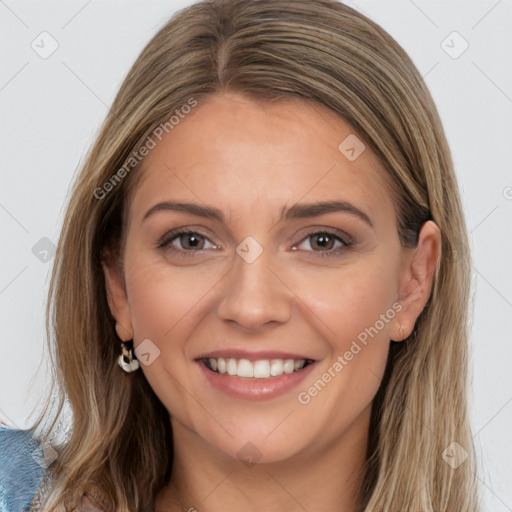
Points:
250	157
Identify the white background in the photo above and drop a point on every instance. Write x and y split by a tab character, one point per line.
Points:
51	109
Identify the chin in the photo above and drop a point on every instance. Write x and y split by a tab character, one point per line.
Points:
252	446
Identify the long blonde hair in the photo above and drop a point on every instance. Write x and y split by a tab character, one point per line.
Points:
320	51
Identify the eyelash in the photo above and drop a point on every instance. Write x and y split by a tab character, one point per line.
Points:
165	242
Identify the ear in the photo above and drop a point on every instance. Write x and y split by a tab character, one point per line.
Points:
116	296
417	275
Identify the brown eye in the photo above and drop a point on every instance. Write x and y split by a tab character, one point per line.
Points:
322	241
325	243
191	241
185	241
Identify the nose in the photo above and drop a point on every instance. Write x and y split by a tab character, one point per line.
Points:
255	294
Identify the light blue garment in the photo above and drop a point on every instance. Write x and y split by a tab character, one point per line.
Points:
20	471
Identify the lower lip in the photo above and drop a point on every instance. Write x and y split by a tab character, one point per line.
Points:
255	389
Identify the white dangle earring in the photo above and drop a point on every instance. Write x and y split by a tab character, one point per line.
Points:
128	360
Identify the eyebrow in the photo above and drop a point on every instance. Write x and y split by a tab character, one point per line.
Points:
296	211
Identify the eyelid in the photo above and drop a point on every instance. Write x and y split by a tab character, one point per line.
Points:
165	240
314	230
346	240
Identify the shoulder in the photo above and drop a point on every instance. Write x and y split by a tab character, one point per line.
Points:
21	469
23	465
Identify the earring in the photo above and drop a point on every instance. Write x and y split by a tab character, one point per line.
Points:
127	360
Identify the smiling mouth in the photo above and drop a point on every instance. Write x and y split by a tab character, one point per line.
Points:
260	369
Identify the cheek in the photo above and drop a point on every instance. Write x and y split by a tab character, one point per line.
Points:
356	311
351	302
166	305
164	300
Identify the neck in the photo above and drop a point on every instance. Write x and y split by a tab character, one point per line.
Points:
321	477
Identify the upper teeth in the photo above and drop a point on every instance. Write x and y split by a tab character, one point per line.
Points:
260	369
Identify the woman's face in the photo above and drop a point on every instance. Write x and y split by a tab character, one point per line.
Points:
266	277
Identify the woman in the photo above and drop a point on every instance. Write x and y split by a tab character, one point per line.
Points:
255	301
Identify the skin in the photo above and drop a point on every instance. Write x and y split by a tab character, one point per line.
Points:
250	160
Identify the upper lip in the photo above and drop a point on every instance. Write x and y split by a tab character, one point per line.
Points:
252	356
